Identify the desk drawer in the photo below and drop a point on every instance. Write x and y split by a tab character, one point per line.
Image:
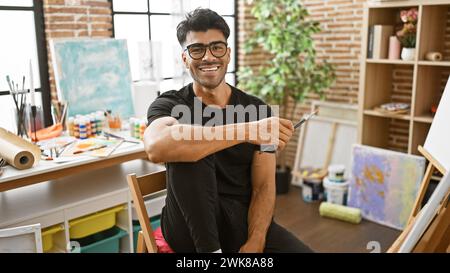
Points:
97	205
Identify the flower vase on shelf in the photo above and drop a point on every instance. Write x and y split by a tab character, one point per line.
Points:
408	54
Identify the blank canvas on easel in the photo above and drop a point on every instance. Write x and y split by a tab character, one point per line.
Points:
438	138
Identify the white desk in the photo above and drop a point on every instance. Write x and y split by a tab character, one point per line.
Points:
59	201
48	170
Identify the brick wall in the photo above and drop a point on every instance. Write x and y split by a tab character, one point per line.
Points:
339	42
75	18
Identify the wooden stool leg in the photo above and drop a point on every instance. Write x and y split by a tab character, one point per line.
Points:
141	247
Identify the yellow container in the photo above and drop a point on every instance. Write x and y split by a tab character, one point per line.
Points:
47	236
93	223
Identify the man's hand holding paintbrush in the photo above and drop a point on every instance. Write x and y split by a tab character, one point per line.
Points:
286	129
305	118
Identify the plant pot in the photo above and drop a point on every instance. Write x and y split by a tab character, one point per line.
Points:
283	179
408	54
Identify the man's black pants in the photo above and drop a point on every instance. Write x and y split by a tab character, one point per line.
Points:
196	219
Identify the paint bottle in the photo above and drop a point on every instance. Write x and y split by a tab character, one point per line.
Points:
143	126
93	125
87	122
131	126
137	129
83	129
70	125
100	118
76	127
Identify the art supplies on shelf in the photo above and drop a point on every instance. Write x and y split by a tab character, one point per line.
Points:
92	147
393	108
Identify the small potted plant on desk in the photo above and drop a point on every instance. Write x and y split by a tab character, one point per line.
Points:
292	72
407	35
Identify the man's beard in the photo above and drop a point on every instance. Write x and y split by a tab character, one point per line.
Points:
204	81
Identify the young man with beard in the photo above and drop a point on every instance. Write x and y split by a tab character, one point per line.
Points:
220	191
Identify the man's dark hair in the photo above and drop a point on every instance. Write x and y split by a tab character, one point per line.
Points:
201	20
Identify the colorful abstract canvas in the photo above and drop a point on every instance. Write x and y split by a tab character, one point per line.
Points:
384	184
93	74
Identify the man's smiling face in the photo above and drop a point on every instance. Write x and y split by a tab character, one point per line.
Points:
208	71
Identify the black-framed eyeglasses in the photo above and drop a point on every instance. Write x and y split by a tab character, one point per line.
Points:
197	51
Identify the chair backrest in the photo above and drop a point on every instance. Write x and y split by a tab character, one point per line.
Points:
24	239
140	187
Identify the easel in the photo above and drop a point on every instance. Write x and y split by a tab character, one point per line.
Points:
436	237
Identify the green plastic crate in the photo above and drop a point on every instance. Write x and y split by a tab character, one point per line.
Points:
107	241
155	221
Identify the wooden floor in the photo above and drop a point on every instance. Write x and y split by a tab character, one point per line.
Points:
328	235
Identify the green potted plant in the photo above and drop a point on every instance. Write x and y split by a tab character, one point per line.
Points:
282	30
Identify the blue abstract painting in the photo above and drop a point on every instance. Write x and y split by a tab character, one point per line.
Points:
93	74
384	184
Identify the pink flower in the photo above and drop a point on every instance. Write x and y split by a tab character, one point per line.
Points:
404	16
407	35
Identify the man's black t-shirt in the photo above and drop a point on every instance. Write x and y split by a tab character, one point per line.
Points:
233	165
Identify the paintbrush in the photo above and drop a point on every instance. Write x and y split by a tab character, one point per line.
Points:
89	150
272	148
305	118
108	135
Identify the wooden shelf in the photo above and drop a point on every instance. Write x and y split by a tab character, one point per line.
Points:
419	82
385	115
430	63
388	61
424	119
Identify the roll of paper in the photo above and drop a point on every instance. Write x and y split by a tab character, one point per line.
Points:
18	152
434	56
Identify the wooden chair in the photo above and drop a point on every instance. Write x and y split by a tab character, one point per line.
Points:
140	187
24	239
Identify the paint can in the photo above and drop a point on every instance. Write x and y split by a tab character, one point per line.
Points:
336	173
312	189
335	192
